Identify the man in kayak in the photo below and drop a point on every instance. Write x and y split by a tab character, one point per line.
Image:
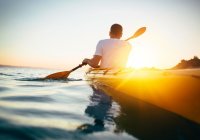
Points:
111	53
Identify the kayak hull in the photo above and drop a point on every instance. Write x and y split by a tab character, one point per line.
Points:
177	91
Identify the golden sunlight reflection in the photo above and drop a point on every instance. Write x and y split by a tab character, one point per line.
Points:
141	56
43	122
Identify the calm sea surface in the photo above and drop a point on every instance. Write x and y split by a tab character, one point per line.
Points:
33	108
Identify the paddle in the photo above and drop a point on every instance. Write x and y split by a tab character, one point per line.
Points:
139	32
65	74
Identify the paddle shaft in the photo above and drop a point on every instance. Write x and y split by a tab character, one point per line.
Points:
79	66
129	38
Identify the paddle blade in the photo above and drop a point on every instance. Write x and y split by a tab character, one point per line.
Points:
139	32
58	75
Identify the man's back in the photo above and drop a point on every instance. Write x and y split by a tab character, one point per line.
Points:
114	53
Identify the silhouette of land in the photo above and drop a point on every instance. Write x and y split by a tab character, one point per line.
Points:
188	64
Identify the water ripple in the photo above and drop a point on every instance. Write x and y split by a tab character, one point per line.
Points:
43	113
30	79
10	130
33	85
4	74
28	98
48	80
2	89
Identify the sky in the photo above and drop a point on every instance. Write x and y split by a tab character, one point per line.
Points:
61	33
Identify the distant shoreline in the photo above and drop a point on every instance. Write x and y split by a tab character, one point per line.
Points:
188	64
193	63
1	65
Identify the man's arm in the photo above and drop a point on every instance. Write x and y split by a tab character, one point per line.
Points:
93	62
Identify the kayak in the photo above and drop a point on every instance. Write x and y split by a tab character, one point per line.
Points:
177	91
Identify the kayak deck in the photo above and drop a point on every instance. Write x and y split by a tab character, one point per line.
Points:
177	91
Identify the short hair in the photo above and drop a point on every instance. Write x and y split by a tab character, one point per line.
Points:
116	29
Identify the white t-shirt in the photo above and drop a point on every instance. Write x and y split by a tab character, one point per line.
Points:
114	53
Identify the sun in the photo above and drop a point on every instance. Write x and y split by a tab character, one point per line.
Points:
140	57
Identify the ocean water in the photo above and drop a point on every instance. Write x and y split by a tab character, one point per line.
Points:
35	109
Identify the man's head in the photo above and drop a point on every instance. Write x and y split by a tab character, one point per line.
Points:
116	31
